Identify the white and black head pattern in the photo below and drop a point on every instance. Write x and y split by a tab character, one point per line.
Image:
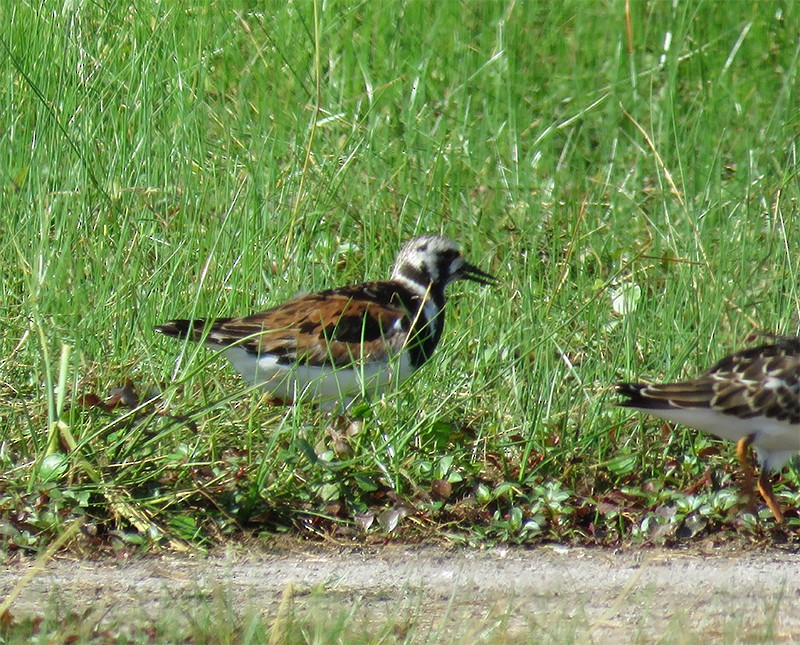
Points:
430	262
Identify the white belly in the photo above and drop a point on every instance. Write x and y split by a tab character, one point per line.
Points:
308	383
776	442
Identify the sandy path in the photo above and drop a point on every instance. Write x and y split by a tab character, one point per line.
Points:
562	593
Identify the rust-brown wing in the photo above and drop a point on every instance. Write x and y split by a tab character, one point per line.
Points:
328	328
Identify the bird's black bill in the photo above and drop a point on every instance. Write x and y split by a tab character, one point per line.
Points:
470	272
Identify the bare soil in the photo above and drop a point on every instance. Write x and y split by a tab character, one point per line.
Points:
555	593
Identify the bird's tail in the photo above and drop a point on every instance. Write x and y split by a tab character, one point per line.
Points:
192	329
633	392
666	396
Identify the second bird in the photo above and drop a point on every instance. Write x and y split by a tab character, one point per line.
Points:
751	397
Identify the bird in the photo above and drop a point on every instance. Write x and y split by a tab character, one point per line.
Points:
341	343
751	397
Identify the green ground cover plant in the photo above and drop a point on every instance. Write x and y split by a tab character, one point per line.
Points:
630	173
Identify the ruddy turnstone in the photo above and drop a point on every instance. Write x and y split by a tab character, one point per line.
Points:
338	343
751	397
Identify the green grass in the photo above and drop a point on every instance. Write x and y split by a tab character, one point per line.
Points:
163	162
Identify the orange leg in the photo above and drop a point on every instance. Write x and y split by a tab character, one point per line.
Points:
747	485
765	488
764	483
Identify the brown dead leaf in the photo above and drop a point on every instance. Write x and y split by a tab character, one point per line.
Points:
441	489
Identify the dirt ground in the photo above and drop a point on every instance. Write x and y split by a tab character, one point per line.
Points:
557	593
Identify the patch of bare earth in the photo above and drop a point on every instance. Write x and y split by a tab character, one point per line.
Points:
562	593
